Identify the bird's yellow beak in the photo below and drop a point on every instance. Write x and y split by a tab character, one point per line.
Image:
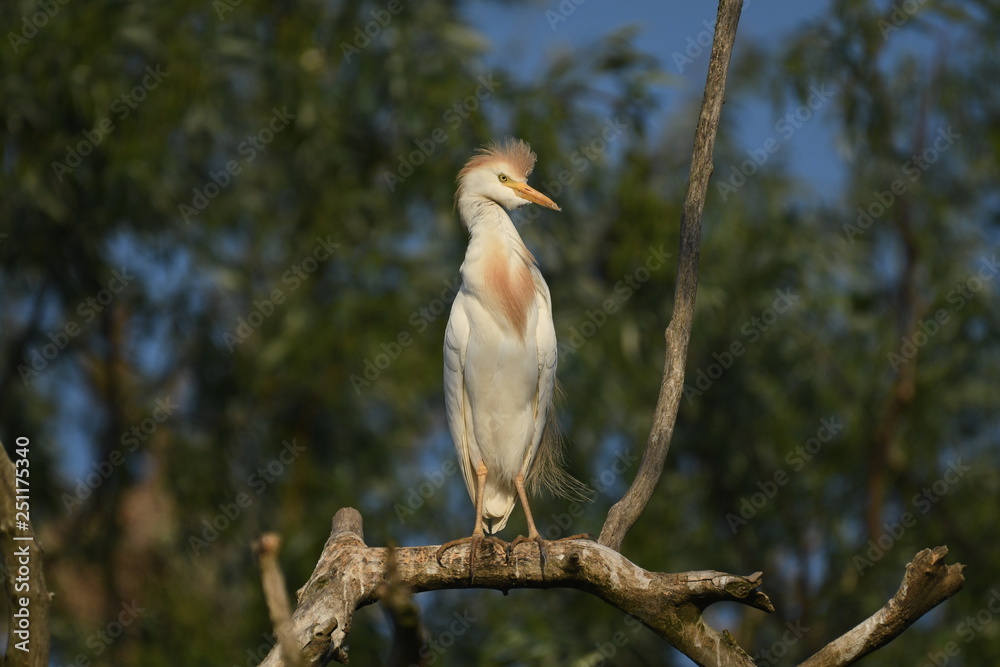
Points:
525	191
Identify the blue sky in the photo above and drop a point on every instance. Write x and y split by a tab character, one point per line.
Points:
525	34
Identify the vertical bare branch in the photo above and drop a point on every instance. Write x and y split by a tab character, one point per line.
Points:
408	632
627	510
266	550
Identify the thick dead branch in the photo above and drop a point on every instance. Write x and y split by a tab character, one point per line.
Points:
23	577
266	549
626	511
408	633
351	574
927	583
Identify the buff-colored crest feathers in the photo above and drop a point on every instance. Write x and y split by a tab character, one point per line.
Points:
514	152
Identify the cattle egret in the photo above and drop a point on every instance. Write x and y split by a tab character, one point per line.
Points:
500	352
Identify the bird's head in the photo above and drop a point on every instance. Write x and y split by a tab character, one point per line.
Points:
499	172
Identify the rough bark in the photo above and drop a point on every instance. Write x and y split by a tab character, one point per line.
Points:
273	582
351	574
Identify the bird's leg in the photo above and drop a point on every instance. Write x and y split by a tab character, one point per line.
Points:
533	535
478	535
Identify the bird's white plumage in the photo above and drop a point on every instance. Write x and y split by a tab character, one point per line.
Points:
548	359
500	349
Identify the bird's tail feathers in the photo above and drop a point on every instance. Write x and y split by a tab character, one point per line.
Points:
548	471
498	503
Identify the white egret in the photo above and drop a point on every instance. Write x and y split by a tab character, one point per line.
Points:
500	352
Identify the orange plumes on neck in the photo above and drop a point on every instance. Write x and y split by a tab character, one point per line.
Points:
509	281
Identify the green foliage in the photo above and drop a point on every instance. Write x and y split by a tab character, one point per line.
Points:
280	186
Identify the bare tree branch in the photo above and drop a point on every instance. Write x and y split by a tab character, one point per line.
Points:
626	511
266	549
927	583
24	579
408	632
350	575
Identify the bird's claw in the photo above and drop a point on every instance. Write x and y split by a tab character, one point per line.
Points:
579	536
537	539
474	541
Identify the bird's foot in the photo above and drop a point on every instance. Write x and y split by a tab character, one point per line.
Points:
537	539
521	538
474	541
578	536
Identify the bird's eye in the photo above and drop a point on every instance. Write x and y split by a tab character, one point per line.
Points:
503	178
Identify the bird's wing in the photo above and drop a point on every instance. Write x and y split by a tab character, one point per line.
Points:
548	357
456	340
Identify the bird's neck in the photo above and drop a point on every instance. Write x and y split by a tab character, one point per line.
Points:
483	215
490	228
498	266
